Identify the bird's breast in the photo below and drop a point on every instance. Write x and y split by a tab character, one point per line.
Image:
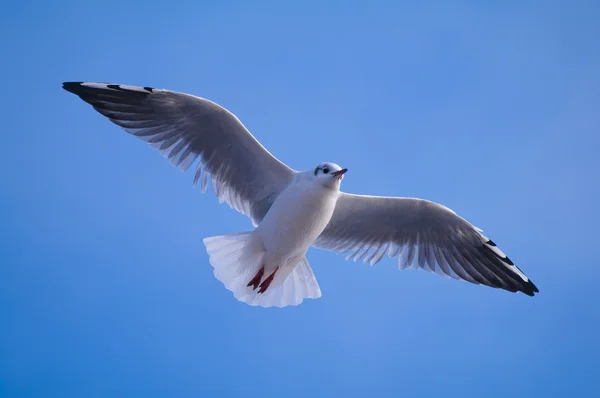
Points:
297	218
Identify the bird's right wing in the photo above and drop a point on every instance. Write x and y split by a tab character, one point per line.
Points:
185	128
421	234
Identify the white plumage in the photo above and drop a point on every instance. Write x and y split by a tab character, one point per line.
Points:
292	210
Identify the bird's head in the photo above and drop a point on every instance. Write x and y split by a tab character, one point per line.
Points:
329	174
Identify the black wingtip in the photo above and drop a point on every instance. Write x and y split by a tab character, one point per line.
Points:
525	287
534	287
72	87
530	289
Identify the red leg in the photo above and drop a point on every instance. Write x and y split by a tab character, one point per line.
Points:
267	282
254	282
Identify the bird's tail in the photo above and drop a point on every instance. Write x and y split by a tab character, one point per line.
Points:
237	260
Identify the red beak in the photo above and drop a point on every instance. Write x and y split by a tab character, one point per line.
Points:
339	173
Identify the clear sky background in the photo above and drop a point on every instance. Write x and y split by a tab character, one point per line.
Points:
491	108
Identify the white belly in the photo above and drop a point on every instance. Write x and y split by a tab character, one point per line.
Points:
295	220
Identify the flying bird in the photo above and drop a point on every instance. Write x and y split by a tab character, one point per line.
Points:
294	210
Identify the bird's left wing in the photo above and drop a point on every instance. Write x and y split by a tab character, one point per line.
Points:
185	128
423	235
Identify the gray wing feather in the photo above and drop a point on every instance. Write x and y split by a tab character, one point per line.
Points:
422	235
186	129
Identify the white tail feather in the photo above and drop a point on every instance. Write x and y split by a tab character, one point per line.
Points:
236	258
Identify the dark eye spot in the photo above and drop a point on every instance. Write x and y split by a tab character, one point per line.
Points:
325	170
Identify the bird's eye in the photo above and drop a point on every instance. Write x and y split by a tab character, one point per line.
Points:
325	170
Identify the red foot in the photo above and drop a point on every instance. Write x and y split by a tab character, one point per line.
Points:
267	282
254	282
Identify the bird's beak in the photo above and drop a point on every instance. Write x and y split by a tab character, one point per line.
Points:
339	173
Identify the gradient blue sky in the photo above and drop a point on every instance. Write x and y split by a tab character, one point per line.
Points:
491	108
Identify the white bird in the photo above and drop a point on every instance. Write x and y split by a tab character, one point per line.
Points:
292	210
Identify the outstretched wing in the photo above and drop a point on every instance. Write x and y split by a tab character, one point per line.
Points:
185	128
423	235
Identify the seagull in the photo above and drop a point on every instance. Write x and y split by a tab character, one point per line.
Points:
291	210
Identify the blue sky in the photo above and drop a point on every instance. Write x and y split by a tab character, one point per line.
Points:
490	108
